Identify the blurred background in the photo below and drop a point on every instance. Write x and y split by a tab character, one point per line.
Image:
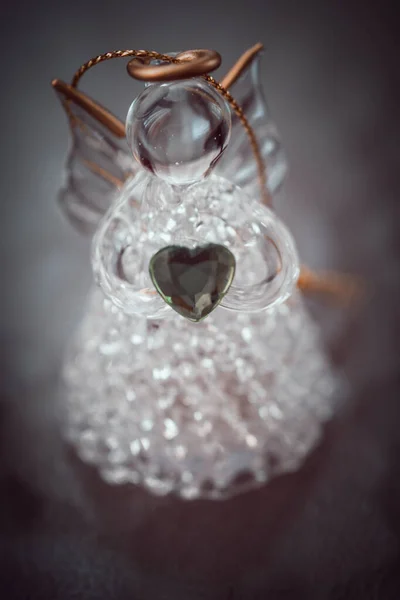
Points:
332	530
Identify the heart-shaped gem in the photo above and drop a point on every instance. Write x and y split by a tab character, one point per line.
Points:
193	281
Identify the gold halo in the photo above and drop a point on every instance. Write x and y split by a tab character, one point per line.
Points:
191	63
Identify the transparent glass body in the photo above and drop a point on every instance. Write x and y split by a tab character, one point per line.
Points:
198	409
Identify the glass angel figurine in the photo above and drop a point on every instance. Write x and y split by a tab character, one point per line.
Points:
196	369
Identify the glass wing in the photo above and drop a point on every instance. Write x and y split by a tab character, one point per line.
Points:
98	163
238	163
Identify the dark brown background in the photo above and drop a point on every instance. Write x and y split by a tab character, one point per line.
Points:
330	531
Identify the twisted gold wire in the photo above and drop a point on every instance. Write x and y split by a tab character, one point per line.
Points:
151	54
252	138
118	54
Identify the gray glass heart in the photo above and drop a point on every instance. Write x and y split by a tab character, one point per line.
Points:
193	281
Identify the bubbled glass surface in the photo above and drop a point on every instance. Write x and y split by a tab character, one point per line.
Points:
202	410
178	130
